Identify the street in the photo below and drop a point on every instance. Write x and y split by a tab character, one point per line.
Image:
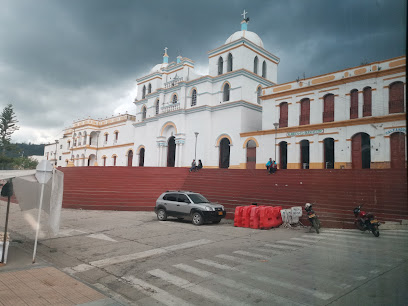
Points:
137	260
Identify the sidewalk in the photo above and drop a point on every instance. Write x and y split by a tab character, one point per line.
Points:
24	283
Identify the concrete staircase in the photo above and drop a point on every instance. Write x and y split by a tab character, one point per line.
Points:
336	192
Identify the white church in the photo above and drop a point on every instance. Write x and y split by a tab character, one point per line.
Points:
238	116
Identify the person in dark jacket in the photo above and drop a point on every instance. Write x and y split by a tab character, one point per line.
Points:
200	165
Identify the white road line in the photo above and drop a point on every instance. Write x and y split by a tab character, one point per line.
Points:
155	292
293	243
284	247
307	239
348	236
235	285
129	257
214	264
245	253
196	289
360	233
234	259
101	237
274	252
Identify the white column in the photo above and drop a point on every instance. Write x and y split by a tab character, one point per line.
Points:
137	160
360	104
159	149
180	154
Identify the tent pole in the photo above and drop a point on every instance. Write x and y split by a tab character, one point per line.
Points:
5	228
38	222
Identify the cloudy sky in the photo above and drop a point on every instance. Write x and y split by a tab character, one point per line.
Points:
65	60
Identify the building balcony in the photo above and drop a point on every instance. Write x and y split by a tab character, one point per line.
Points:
171	107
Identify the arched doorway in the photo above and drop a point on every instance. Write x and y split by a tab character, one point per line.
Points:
141	157
82	160
171	151
360	151
304	154
328	149
130	158
397	142
251	155
224	153
283	150
92	159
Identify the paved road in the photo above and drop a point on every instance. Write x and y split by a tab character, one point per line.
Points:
138	260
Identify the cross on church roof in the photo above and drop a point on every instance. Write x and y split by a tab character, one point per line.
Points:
244	13
165	50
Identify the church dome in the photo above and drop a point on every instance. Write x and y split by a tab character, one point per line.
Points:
251	36
158	67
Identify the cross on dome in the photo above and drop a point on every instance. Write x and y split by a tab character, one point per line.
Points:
244	13
165	50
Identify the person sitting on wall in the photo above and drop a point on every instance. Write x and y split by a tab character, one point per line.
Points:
274	167
268	165
193	166
200	165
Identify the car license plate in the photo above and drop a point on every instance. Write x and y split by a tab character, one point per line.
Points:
220	213
312	216
374	221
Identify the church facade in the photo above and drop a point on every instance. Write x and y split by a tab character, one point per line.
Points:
238	117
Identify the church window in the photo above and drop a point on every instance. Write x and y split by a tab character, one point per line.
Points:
157	106
149	88
220	65
396	98
114	160
174	99
256	65
104	160
283	114
194	97
328	108
143	113
144	92
354	104
106	137
116	136
258	94
229	63
68	144
226	92
367	95
264	69
304	117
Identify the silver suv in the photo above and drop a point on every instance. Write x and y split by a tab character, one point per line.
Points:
187	204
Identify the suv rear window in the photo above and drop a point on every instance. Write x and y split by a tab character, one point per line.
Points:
170	197
198	198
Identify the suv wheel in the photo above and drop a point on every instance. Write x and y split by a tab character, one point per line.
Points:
161	215
197	218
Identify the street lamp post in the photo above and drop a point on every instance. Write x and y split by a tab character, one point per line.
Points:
56	157
276	133
97	146
195	151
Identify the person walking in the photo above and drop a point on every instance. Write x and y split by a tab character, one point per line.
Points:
269	165
193	166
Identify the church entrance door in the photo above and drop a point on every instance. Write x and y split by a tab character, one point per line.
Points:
130	158
283	148
328	145
304	154
251	155
171	152
224	153
360	151
141	157
398	150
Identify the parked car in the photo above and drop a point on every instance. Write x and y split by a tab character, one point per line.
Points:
186	204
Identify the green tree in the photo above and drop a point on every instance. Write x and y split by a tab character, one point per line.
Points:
8	125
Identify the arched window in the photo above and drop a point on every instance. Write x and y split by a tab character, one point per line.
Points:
157	106
144	92
328	108
220	65
226	92
283	110
354	104
149	88
104	160
114	160
194	97
304	111
258	94
264	69
367	94
68	144
106	138
256	65
144	113
229	63
174	98
396	98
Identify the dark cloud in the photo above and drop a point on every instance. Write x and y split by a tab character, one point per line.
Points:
64	60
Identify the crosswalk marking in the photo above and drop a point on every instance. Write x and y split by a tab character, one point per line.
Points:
245	253
155	292
235	285
123	258
275	252
360	233
349	236
214	264
293	243
196	289
284	247
233	258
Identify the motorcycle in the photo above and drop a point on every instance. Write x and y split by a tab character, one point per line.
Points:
366	221
314	220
